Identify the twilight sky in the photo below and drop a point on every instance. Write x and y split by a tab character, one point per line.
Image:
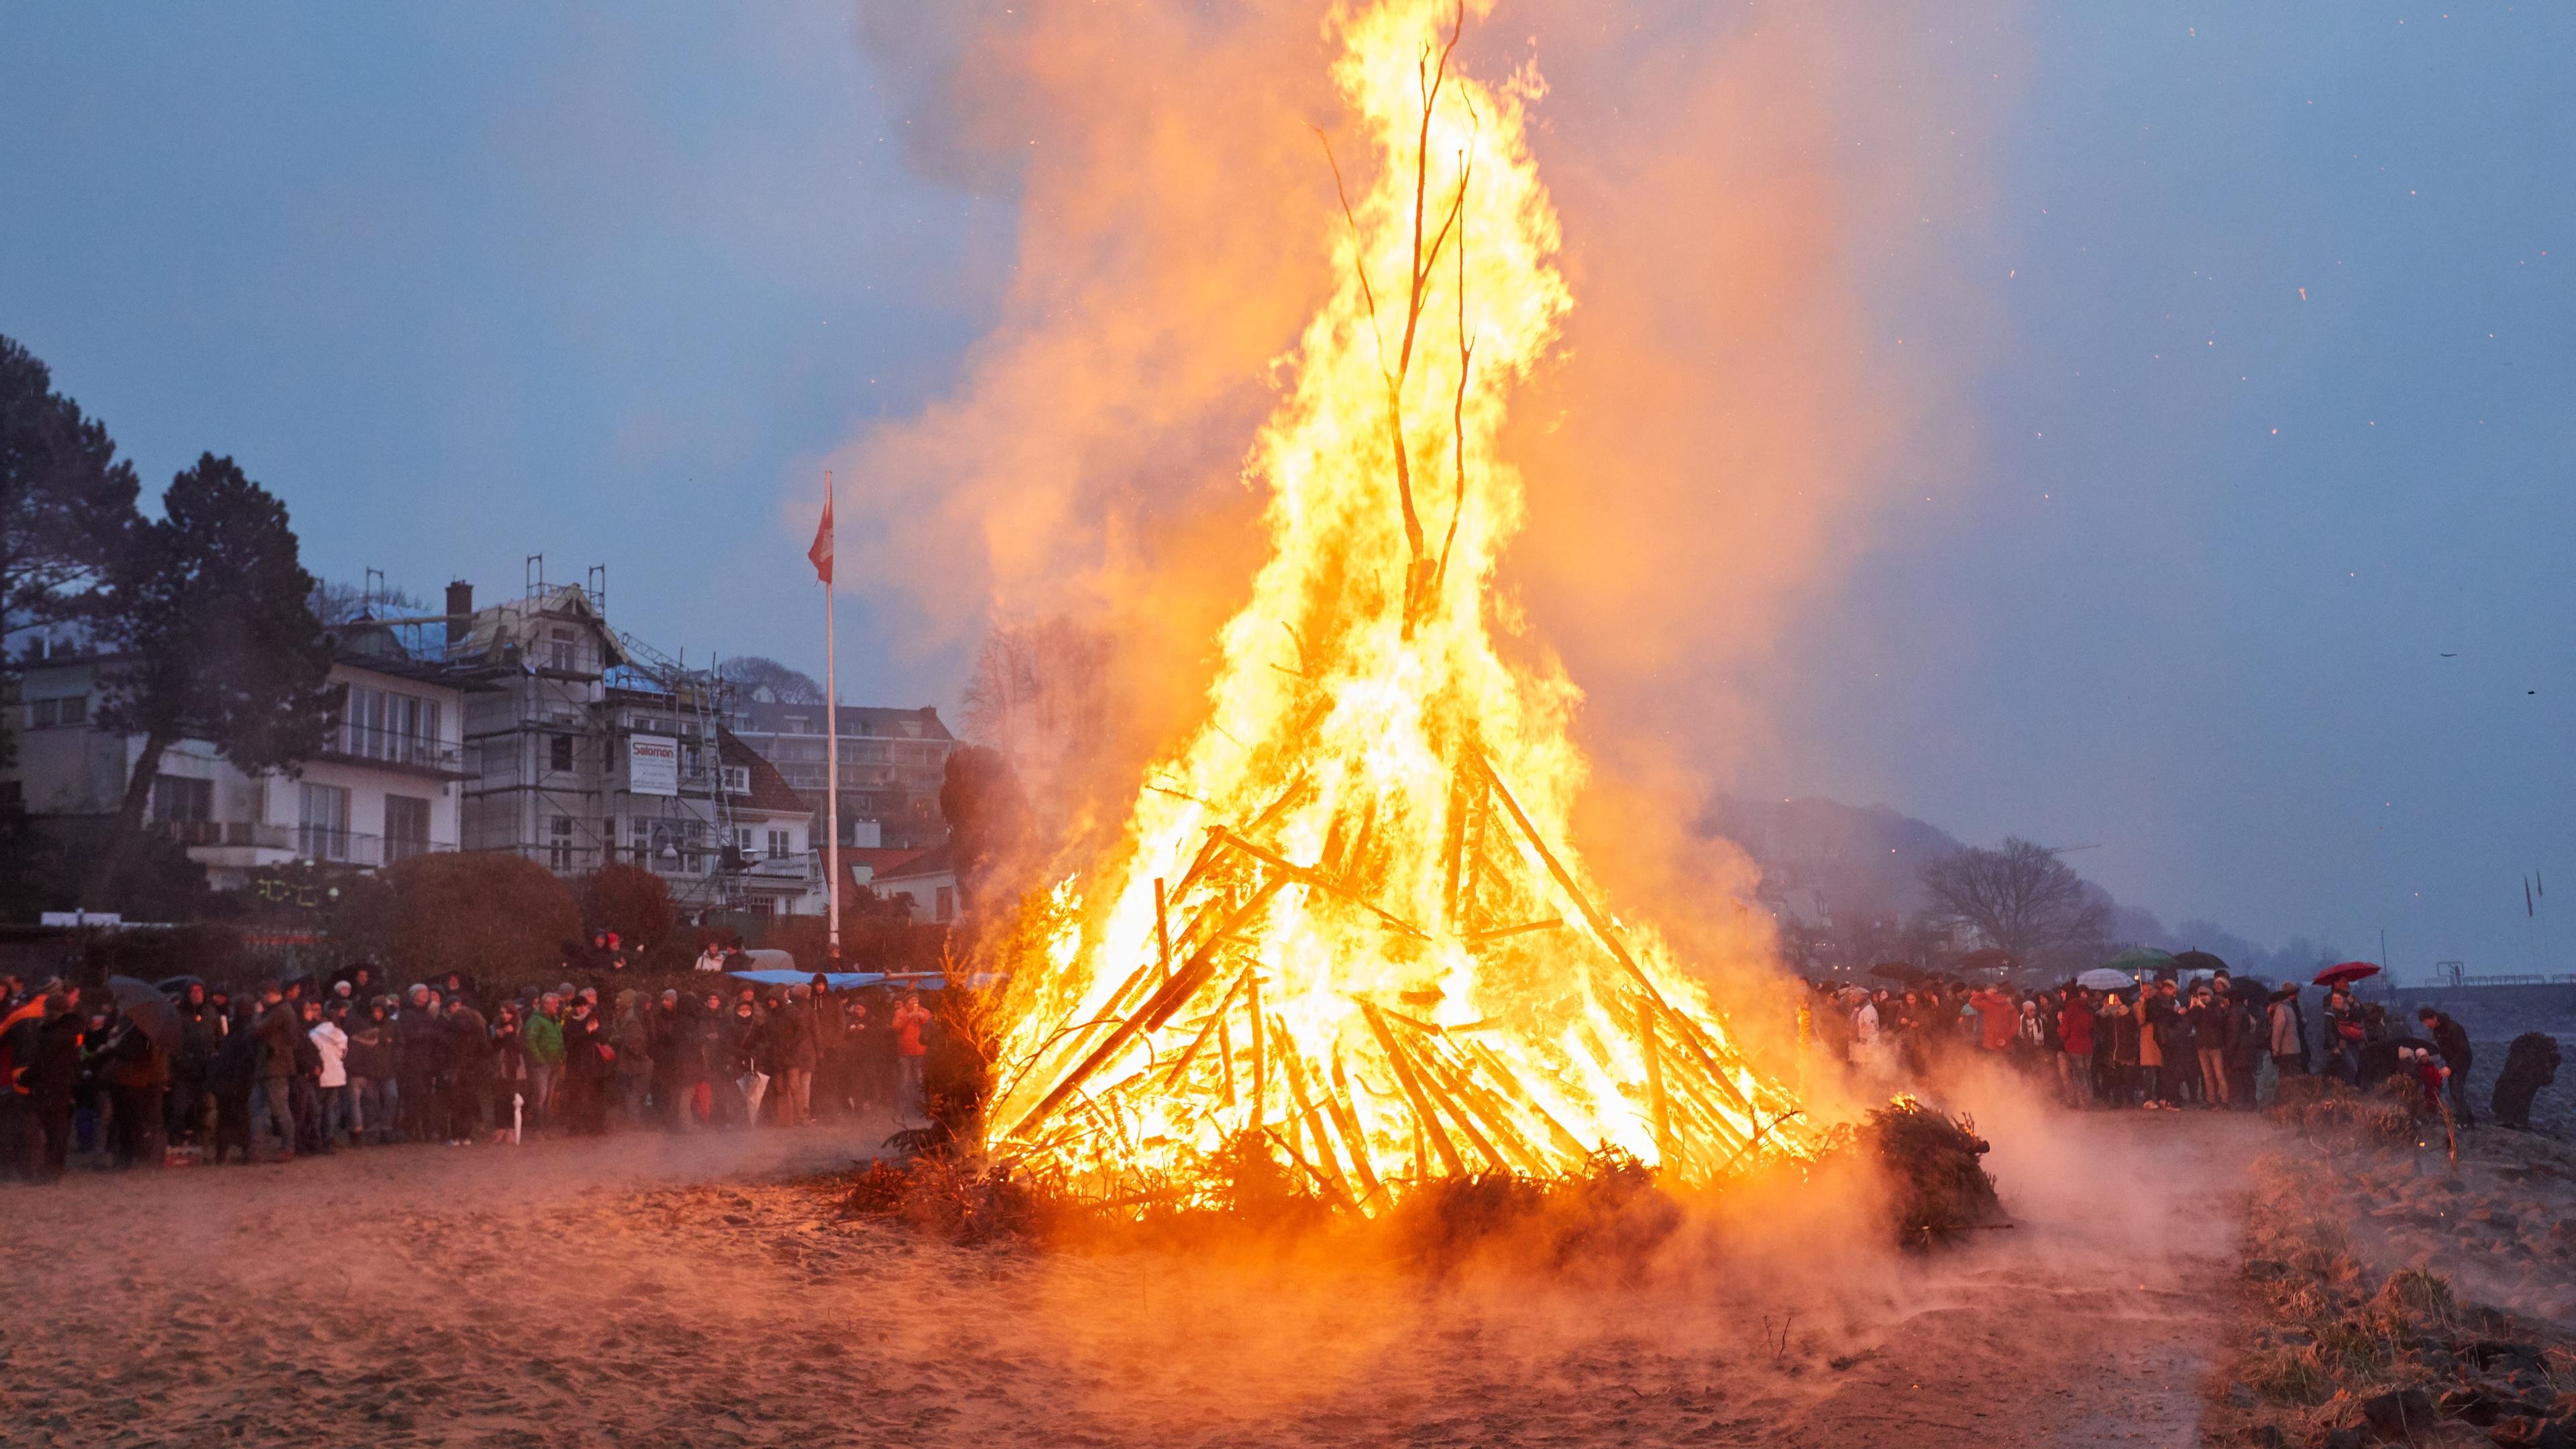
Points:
2241	552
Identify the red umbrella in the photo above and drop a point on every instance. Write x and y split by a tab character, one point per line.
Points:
2347	972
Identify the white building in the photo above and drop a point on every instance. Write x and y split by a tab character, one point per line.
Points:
384	788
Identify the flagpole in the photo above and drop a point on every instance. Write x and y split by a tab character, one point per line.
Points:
832	753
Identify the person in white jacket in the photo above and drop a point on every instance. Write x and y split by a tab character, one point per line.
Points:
331	1040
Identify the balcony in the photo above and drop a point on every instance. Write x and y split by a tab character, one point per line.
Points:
233	834
308	842
358	848
783	870
361	744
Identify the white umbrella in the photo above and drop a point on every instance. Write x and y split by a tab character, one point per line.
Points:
2103	978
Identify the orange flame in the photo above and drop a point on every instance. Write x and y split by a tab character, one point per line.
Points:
1347	915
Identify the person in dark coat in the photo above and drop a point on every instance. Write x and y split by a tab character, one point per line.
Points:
138	1078
2211	1026
468	1052
664	1022
279	1034
370	1065
587	1066
796	1041
2245	1049
2451	1040
234	1076
708	1051
201	1032
52	1079
312	1132
749	1042
420	1062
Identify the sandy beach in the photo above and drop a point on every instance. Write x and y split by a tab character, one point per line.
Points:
705	1290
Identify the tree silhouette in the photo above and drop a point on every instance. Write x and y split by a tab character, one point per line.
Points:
66	506
2023	899
207	616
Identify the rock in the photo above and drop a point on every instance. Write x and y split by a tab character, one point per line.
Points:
2241	1395
2341	1439
2524	1432
2398	1415
2470	1406
2501	1355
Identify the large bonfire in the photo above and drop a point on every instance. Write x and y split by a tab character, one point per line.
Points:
1347	918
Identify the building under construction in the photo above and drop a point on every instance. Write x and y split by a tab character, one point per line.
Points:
589	747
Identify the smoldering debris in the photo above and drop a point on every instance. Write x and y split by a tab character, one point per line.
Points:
1940	1191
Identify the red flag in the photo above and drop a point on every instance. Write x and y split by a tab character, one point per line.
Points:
821	552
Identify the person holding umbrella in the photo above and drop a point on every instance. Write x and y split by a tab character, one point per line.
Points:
138	1060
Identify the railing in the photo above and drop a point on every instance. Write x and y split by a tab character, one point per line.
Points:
398	850
237	833
311	842
377	745
340	847
784	869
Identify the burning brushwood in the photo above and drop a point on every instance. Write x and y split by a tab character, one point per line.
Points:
1348	921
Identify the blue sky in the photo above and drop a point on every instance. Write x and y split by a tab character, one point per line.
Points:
2273	414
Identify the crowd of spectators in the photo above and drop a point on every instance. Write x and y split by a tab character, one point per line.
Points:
310	1066
2160	1044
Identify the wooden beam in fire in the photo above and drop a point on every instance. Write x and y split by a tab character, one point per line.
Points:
1158	1008
1603	931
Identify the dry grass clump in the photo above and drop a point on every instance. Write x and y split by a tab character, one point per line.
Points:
2334	1114
2340	1347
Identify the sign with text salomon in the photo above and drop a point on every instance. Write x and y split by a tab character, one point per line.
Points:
652	765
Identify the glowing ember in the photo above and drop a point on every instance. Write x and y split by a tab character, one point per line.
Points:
1348	917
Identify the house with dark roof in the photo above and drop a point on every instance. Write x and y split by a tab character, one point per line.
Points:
773	834
892	764
927	881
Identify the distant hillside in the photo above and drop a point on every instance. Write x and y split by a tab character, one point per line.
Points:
1866	852
1824	861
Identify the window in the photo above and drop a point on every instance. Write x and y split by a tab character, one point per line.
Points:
322	827
947	903
406	827
777	845
559	649
559	753
737	779
71	709
177	800
559	842
798	724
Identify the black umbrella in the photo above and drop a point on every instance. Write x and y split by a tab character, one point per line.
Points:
142	1003
2191	961
1899	971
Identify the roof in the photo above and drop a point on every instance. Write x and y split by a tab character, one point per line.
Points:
879	858
870	721
769	789
938	860
514	626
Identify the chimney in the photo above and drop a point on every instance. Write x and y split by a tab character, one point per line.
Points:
460	611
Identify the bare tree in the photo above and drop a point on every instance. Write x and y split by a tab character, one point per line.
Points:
785	685
1035	695
337	601
2024	900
